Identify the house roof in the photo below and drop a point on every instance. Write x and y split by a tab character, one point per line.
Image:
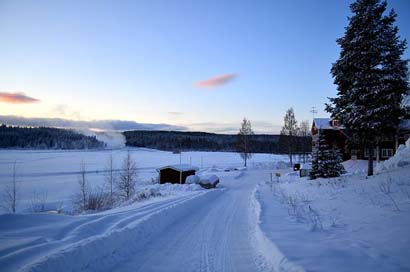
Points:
179	167
325	123
322	123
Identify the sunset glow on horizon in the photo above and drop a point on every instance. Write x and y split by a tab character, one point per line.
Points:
200	65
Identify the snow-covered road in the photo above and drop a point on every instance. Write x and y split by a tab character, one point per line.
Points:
202	231
213	234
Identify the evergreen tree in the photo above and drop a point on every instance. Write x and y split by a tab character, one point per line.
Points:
368	73
327	161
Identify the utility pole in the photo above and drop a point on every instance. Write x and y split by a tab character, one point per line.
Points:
313	111
180	167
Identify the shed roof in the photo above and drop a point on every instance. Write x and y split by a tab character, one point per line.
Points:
179	167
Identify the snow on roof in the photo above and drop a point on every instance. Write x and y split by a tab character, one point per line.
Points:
180	167
405	124
326	123
306	166
322	123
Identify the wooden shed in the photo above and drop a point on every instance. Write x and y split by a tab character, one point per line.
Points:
176	173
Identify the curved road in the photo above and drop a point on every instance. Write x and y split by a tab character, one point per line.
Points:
202	231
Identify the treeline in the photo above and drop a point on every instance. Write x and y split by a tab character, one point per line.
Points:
202	141
45	138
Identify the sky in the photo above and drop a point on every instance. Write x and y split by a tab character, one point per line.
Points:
200	65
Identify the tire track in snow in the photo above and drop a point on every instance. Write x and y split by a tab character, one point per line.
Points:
84	231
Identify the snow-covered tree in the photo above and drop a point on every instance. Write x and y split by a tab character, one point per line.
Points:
327	161
368	73
290	131
244	144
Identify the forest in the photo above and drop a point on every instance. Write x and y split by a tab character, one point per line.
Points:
203	141
45	138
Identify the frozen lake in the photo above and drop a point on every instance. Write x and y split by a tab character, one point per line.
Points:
56	172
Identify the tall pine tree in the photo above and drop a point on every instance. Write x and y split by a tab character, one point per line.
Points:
368	73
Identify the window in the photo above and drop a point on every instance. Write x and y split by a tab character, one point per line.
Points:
366	153
335	123
387	152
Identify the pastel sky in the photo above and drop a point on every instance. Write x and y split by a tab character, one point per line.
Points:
200	64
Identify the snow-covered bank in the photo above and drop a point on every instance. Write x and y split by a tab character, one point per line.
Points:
269	257
351	223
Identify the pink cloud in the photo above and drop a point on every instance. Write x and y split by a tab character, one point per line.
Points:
215	81
17	98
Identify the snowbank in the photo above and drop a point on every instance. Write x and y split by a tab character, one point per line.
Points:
192	179
355	166
400	159
350	223
270	258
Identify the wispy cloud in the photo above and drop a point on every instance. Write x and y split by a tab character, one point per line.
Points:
17	98
215	81
175	113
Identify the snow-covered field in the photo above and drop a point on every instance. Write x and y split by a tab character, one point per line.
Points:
247	223
56	173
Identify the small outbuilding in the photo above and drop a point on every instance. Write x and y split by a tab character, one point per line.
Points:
305	170
176	173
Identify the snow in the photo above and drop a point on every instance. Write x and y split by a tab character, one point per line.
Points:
192	179
355	166
306	166
56	173
322	123
248	223
211	179
350	223
400	159
180	167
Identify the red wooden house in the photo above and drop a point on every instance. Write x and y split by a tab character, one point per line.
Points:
336	136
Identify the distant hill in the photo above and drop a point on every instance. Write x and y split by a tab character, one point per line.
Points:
202	141
45	138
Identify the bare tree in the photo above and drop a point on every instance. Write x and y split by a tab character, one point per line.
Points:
84	190
128	175
10	192
244	145
289	131
110	178
304	131
38	201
